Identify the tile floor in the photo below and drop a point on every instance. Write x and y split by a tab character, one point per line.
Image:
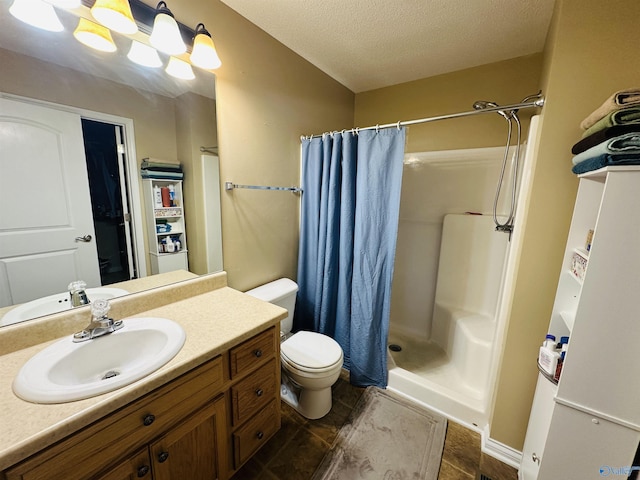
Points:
278	460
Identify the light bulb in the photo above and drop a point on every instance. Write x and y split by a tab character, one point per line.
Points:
180	69
166	34
95	36
204	53
37	14
144	55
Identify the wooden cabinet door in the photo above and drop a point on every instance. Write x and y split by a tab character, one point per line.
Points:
195	448
138	466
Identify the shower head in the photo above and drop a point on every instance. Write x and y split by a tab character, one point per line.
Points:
482	104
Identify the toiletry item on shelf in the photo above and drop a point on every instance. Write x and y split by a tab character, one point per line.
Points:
163	228
172	195
578	264
549	355
157	197
166	199
564	344
587	245
169	246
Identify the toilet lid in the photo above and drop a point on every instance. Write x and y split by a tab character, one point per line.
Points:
311	350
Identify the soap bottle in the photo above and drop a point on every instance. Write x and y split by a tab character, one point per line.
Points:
172	195
548	356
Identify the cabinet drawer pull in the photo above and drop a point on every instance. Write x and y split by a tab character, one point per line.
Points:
257	353
143	470
162	457
259	392
260	435
148	420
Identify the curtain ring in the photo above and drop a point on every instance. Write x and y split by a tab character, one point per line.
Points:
377	128
398	124
357	130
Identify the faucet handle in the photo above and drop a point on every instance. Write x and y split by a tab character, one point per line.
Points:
99	308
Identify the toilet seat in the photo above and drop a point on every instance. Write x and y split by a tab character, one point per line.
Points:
311	352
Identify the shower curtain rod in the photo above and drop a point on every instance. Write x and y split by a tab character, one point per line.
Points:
538	102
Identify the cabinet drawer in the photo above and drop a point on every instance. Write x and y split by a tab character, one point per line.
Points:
99	445
252	393
255	433
248	355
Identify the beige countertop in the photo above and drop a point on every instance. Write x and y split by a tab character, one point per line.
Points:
138	284
213	320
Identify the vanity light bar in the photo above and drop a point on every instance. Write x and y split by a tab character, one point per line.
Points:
144	15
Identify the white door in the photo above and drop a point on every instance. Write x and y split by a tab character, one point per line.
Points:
46	225
125	192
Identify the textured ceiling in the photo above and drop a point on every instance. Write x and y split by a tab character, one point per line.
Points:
368	44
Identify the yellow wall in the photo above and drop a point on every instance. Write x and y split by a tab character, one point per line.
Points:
591	52
267	97
502	82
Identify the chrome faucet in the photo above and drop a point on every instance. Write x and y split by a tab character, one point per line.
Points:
100	324
77	293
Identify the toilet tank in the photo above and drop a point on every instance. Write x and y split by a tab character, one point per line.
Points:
280	292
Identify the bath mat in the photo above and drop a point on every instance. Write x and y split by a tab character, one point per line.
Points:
386	438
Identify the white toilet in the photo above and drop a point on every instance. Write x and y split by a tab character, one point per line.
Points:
311	362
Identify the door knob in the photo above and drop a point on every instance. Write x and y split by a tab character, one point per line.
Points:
86	239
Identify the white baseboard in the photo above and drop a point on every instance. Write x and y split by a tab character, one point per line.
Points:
500	451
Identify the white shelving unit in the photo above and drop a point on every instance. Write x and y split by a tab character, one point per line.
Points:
588	425
160	216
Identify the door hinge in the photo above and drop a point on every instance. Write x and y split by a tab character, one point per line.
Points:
127	217
120	148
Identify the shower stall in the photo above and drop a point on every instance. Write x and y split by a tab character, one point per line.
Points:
456	259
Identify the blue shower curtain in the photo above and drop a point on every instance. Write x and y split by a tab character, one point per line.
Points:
348	229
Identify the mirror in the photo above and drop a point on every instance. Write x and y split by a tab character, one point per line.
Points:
171	121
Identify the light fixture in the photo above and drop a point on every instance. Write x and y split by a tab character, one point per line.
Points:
95	36
204	53
179	69
115	14
166	33
37	14
144	55
65	3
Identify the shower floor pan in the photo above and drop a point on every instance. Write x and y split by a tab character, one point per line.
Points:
422	371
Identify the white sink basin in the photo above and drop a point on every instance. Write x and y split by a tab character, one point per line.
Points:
66	371
54	304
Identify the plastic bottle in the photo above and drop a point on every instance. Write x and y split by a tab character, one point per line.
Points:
564	342
157	197
172	195
170	246
549	355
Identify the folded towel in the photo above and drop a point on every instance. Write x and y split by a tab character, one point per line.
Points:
602	135
627	143
151	164
158	175
617	117
606	160
620	99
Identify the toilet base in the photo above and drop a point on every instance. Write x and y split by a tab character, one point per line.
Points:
311	404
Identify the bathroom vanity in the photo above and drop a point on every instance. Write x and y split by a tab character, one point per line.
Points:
202	415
